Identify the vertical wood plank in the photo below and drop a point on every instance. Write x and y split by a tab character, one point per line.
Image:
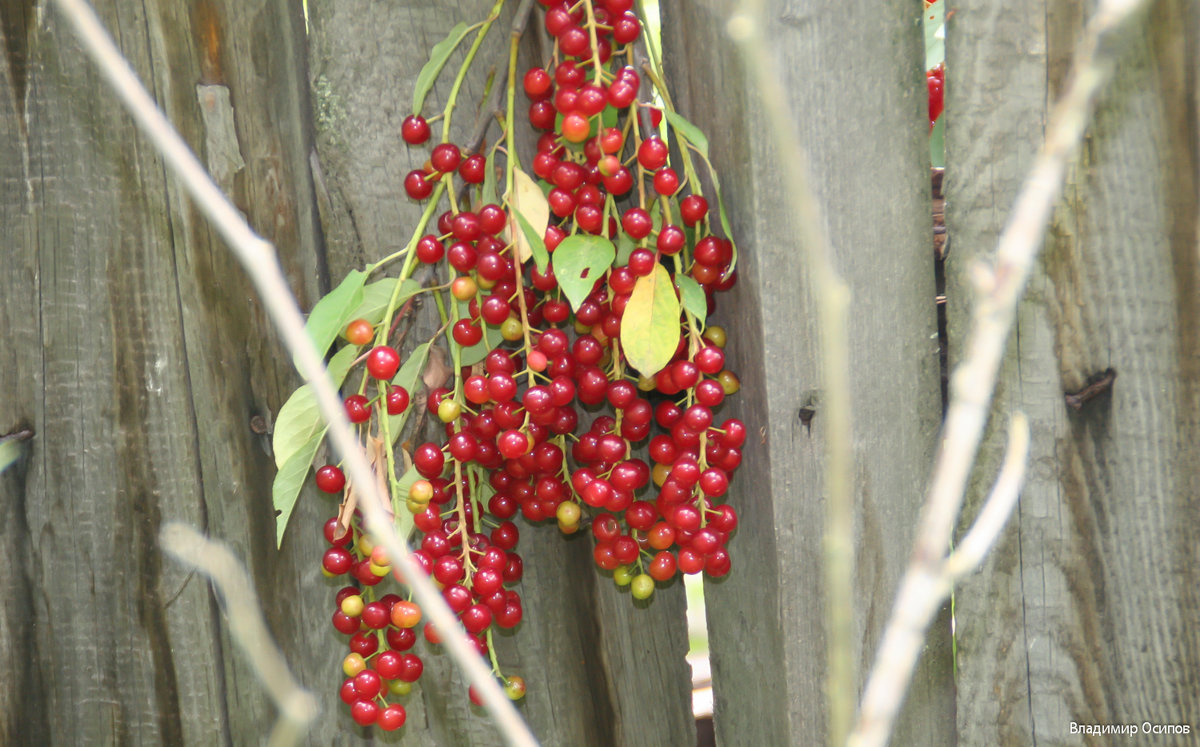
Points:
1086	610
139	356
853	75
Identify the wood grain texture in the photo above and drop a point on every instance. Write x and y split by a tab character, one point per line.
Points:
1087	610
599	671
853	76
136	350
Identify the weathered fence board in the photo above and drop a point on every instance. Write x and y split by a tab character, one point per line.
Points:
136	351
1087	610
854	88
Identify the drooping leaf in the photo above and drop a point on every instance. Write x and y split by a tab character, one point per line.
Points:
300	419
650	324
692	296
437	60
689	131
407	376
529	203
578	262
536	243
333	312
376	296
289	480
487	193
625	247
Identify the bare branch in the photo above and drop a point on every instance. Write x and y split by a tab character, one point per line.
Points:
833	299
928	579
297	707
998	506
258	257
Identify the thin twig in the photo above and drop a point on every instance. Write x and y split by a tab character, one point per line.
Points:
929	577
258	257
832	298
297	707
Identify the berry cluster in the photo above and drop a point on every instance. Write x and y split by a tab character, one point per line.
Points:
543	346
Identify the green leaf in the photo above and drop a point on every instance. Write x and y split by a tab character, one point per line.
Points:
487	193
688	131
300	419
693	298
935	34
650	324
333	312
625	247
376	296
407	377
289	480
937	143
437	60
537	244
10	451
578	262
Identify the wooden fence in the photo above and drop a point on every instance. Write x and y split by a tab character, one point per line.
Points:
134	348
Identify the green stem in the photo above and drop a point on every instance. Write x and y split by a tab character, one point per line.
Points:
462	71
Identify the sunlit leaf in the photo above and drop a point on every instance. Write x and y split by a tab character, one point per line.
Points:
650	324
437	60
692	296
333	312
578	262
300	419
289	480
376	296
529	203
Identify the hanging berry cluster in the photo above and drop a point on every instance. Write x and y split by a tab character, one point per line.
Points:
575	311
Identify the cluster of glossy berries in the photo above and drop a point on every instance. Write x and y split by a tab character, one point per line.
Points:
553	422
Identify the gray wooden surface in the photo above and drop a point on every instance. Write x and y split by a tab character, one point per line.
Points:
855	88
1087	611
137	351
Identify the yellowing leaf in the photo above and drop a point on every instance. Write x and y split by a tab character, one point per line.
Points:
529	202
650	324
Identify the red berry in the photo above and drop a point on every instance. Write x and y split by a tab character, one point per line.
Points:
537	83
414	129
693	208
358	409
331	479
472	169
416	186
365	712
636	222
652	154
397	400
445	157
383	362
392	717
